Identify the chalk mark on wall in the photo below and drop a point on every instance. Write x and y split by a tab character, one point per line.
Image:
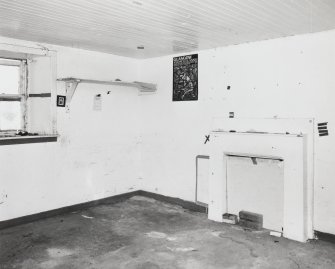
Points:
185	78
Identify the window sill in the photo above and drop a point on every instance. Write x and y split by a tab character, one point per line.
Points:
14	140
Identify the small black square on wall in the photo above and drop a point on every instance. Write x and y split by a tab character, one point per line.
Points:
185	78
61	100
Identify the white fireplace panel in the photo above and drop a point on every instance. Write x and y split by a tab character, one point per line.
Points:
257	186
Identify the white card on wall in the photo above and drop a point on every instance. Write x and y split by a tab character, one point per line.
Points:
97	103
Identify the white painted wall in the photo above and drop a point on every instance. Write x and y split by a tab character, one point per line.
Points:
97	154
286	78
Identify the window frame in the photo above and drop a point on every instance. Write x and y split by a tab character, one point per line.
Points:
22	95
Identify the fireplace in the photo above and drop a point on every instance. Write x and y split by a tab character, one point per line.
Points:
294	150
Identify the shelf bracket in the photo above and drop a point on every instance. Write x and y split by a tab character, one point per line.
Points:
70	88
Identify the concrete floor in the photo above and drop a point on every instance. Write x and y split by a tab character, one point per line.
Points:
145	234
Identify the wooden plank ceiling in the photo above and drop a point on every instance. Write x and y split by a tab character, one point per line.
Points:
162	27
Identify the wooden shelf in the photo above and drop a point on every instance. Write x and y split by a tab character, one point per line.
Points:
72	83
142	86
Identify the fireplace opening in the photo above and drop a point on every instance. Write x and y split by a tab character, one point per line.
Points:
256	184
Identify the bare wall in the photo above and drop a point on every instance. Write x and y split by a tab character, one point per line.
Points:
149	142
286	78
97	153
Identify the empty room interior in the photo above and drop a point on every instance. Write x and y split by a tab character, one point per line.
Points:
154	134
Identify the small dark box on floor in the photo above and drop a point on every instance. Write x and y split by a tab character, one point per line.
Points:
229	218
251	220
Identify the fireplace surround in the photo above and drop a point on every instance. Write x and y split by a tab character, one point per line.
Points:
295	151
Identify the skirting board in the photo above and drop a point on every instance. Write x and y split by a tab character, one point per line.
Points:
325	237
176	201
63	210
109	200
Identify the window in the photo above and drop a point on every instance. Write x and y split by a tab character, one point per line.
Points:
13	96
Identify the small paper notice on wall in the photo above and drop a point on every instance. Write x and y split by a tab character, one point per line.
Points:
97	103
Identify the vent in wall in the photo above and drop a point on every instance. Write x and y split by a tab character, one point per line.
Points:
323	128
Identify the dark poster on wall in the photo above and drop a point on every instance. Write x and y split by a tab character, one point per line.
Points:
185	78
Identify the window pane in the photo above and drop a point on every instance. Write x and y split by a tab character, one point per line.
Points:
9	79
10	116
